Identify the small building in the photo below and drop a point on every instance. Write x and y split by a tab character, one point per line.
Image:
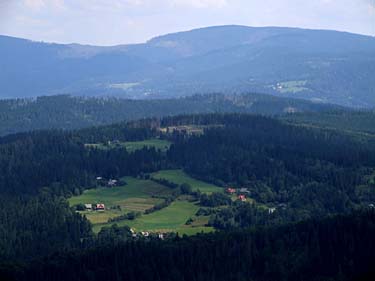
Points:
244	190
112	183
100	207
282	206
271	210
99	178
145	233
242	198
231	190
161	236
88	206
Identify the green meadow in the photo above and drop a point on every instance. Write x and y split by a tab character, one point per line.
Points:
132	146
170	219
180	177
292	86
137	195
159	144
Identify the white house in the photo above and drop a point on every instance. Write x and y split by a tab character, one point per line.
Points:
271	210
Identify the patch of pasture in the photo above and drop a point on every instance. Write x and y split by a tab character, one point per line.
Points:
136	195
131	146
158	144
180	177
168	219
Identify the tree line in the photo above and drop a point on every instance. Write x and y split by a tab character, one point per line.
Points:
339	248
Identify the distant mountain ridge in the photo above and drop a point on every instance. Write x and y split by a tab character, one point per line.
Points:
319	65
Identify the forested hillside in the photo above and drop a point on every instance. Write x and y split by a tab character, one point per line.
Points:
339	248
66	112
283	173
350	121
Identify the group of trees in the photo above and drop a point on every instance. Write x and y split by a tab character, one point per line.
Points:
38	226
316	172
62	161
340	248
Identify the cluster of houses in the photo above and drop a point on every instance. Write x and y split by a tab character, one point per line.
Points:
95	207
241	196
147	234
109	183
112	183
241	192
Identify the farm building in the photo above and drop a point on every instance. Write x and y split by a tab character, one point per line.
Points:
101	181
100	207
244	190
88	206
242	198
282	206
112	183
231	190
271	210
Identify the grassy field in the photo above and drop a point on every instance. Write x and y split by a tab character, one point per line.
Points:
132	146
135	196
180	177
170	219
163	145
292	86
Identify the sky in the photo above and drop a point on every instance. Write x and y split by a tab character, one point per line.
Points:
112	22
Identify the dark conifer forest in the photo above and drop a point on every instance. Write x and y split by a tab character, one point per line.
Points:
312	218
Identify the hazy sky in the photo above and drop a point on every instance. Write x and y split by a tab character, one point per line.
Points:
108	22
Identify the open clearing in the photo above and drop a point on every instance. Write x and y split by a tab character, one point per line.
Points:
292	86
132	146
180	177
135	196
170	219
191	129
159	144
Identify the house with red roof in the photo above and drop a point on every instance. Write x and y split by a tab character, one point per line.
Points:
100	207
242	198
231	190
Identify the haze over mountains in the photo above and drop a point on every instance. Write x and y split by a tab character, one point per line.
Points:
317	65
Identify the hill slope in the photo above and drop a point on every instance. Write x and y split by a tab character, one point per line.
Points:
66	112
330	66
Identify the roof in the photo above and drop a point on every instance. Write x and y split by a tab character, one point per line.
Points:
242	197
